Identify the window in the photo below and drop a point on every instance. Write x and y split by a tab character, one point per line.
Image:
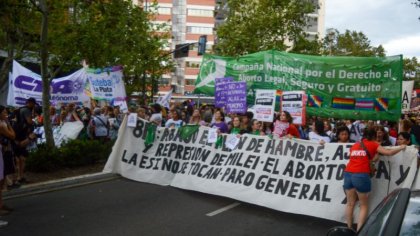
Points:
164	10
163	81
200	12
199	30
192	64
189	81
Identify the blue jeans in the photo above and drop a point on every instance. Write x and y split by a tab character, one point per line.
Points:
359	181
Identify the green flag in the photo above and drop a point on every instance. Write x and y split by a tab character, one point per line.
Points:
368	88
150	135
186	131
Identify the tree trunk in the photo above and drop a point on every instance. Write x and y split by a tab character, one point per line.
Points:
45	75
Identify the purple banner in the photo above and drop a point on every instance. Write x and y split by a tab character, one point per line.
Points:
235	97
220	91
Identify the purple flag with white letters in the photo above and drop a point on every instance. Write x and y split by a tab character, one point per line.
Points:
220	91
235	97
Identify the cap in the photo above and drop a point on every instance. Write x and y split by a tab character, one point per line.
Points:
31	100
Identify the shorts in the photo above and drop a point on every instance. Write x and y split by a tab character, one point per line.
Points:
20	152
360	181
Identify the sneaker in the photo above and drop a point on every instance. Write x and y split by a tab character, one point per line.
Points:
3	223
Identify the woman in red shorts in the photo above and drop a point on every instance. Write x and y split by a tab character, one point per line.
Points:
356	176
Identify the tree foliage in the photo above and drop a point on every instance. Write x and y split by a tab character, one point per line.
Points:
412	70
253	26
349	43
64	33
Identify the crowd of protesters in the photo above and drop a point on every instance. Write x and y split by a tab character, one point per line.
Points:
102	123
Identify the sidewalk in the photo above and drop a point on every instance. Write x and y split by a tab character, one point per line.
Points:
54	185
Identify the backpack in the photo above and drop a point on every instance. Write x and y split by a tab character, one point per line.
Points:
97	131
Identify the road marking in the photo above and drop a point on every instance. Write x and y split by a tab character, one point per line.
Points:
228	207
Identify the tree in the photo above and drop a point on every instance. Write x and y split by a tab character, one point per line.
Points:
253	26
101	32
17	34
303	45
351	43
411	69
417	4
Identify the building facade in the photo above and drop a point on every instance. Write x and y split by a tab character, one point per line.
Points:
189	19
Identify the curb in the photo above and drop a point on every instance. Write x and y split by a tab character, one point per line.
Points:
55	185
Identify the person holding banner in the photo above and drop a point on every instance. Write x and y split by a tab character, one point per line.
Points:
357	183
283	126
343	135
219	122
318	133
195	118
256	128
236	126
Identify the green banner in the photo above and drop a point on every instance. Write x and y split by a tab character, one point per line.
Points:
367	88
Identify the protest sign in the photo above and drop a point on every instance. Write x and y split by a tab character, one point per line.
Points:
264	104
220	91
340	87
294	102
25	84
107	85
407	92
289	175
132	120
235	97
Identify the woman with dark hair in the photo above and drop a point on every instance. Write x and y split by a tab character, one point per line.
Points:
343	135
236	126
156	116
318	133
6	133
256	128
357	182
219	122
175	121
382	136
403	138
283	126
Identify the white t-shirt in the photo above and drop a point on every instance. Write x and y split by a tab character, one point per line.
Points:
171	122
317	138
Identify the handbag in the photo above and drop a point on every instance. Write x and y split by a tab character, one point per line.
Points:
371	163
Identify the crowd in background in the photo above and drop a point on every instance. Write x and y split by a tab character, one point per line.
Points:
102	123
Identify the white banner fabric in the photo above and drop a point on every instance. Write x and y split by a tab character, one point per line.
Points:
107	85
289	175
25	84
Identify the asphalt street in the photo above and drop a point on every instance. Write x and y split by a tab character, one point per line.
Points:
124	207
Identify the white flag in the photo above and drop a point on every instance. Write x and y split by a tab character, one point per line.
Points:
165	99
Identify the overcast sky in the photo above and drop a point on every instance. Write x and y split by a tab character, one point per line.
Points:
392	23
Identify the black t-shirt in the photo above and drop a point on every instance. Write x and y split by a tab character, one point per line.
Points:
22	127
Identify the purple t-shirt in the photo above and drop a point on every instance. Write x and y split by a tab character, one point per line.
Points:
222	126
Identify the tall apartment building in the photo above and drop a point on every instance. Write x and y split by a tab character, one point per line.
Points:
189	19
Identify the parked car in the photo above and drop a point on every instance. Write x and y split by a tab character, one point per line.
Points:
397	214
